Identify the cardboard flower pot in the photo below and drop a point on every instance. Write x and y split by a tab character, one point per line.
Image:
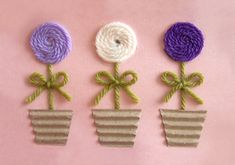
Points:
116	127
182	128
51	126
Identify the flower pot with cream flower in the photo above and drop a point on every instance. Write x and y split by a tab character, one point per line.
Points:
183	42
51	43
116	42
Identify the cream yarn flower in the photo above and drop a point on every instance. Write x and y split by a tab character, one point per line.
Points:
116	42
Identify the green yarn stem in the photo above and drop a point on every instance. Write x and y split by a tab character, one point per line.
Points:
53	82
50	94
182	83
116	88
182	94
116	82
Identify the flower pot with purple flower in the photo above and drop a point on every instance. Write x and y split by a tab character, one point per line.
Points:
116	42
183	42
51	43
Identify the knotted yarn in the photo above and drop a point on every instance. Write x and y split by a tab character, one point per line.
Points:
53	82
109	82
116	42
183	84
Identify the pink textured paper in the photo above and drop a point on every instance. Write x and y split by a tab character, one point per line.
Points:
149	19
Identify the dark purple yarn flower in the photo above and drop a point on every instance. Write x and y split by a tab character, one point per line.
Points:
51	43
183	41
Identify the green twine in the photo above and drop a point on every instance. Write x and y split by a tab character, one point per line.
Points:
183	84
116	82
53	82
116	88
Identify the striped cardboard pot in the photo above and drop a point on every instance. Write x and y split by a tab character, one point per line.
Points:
182	128
51	127
116	127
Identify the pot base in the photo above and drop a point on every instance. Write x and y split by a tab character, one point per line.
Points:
116	127
182	127
50	127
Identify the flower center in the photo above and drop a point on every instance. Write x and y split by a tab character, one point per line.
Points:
117	42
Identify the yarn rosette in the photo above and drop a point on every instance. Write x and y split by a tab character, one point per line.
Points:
51	43
183	41
116	42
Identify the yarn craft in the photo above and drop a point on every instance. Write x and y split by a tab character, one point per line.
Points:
183	42
50	43
116	42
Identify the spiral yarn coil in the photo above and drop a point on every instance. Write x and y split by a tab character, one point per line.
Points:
51	43
116	42
183	41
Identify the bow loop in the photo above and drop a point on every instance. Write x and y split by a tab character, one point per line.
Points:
170	79
104	78
194	79
37	79
132	78
59	79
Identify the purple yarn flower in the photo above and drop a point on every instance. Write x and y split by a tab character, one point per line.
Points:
51	43
183	41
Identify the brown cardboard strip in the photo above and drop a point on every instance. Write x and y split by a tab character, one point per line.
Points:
118	144
50	127
182	128
124	113
51	123
182	123
116	138
183	119
170	111
55	114
48	131
116	122
183	135
116	134
182	144
119	131
116	128
42	139
182	132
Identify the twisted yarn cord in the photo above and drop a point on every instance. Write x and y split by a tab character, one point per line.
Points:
116	88
50	94
53	82
183	84
116	82
182	92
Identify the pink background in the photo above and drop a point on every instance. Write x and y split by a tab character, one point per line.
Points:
149	19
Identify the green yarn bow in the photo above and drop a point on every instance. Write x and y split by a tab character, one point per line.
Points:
184	84
111	82
55	81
